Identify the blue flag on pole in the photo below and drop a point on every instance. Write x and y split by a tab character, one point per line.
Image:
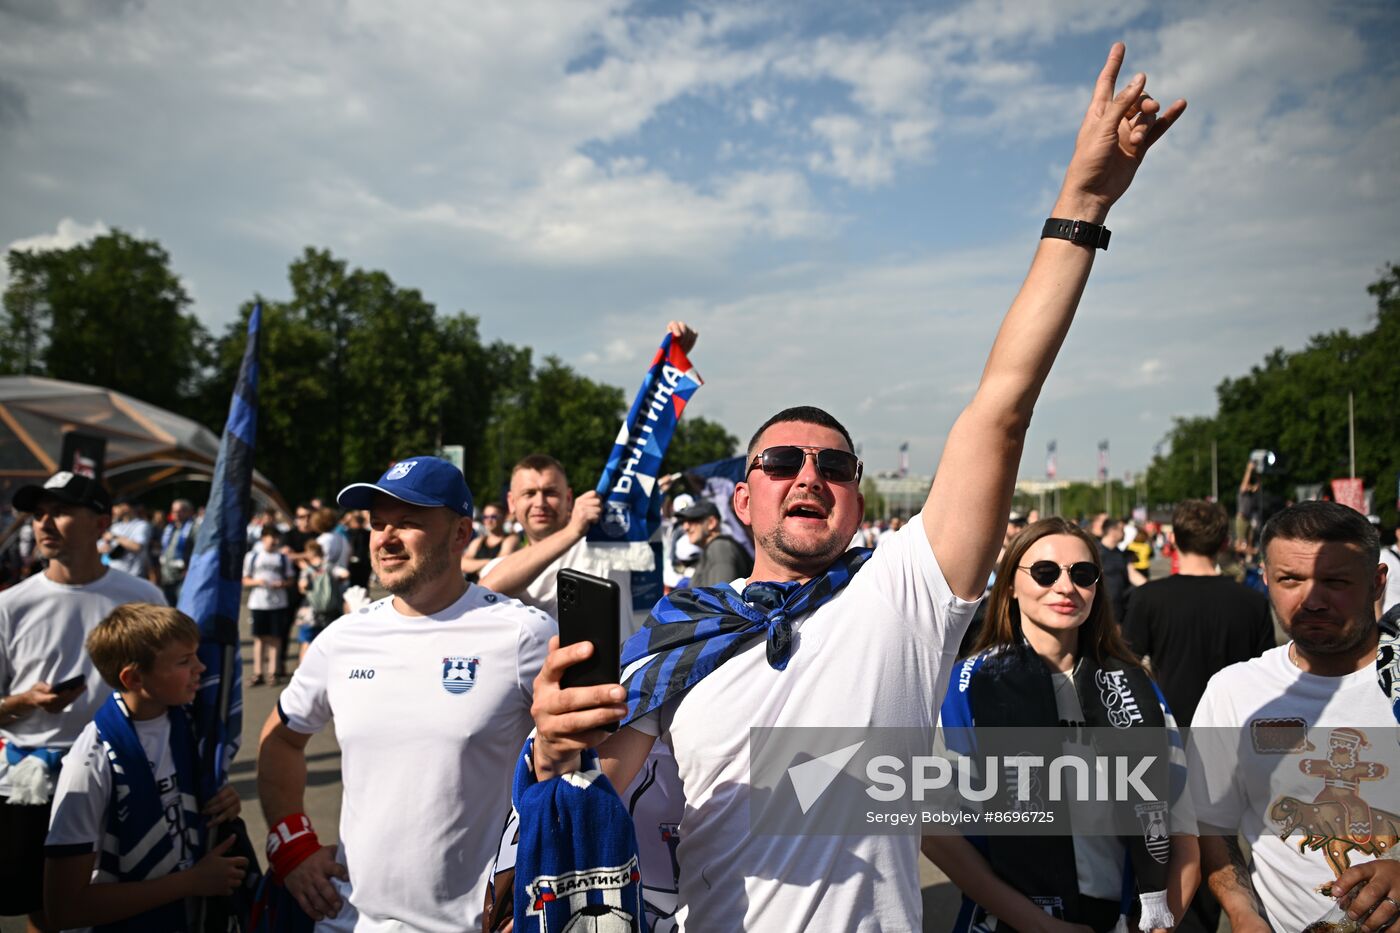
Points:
213	585
629	478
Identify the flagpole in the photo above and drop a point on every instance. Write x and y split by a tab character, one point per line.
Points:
1351	431
1214	475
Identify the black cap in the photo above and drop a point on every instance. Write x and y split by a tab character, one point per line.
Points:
699	511
70	488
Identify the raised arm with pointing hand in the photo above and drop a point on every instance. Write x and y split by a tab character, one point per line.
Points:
964	516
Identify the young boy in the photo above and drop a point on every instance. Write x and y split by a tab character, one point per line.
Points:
270	574
137	862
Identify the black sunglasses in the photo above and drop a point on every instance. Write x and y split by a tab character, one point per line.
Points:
785	462
1045	572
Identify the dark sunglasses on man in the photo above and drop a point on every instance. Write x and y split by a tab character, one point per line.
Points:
1082	573
785	462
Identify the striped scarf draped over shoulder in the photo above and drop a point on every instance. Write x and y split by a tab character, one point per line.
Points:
691	632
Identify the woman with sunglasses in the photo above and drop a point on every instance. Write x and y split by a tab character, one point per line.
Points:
1046	649
493	541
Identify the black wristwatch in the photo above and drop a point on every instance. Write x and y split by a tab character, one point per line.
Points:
1094	236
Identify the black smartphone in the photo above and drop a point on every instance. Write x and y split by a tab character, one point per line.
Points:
68	684
588	610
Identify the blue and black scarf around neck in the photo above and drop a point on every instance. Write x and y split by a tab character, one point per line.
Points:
690	633
135	814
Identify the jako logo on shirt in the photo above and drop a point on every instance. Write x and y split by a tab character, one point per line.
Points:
459	674
362	673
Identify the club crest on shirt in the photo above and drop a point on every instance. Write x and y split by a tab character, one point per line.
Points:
459	674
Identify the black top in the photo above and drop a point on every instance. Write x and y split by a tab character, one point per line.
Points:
1115	579
1192	627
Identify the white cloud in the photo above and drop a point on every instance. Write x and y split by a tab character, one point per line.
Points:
736	166
69	233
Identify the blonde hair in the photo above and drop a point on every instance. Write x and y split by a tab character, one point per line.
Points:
134	634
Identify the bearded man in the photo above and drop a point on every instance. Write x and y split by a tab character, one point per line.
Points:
430	690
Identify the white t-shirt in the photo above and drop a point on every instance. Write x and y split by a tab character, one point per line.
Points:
876	655
43	627
135	562
1390	556
268	567
430	713
1238	775
84	794
543	591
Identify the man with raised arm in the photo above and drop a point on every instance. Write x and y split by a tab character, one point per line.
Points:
821	637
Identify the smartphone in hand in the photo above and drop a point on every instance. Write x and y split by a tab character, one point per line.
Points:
68	684
588	611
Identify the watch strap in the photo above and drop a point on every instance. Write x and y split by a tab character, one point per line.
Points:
1081	232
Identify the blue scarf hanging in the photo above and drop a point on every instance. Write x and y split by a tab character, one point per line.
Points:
135	811
692	632
577	855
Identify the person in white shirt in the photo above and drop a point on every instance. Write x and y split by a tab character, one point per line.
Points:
879	651
43	623
430	693
1390	556
1290	749
127	542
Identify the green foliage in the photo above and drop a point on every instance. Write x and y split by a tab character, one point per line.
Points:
874	502
697	441
1296	405
551	410
1083	500
108	312
356	371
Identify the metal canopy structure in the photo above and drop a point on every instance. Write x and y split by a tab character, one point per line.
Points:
147	447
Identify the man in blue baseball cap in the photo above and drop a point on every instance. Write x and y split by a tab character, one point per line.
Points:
430	690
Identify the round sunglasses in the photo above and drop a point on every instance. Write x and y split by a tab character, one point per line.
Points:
785	462
1045	572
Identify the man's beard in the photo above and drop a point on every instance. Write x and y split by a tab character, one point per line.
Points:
1365	628
430	565
789	553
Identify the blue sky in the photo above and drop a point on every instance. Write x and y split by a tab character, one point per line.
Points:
841	197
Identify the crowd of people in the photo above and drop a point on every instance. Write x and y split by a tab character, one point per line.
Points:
782	608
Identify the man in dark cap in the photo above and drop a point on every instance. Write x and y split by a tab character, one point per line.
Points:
44	622
722	559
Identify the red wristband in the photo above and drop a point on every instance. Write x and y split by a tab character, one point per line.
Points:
289	843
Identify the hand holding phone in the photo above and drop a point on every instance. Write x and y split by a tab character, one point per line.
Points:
65	685
588	611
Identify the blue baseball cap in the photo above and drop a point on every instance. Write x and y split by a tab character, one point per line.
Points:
426	481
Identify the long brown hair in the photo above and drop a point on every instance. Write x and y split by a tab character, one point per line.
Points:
1099	636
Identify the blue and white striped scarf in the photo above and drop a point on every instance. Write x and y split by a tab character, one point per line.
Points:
139	842
692	632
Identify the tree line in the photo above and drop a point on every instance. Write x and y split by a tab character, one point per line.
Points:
356	370
1295	405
